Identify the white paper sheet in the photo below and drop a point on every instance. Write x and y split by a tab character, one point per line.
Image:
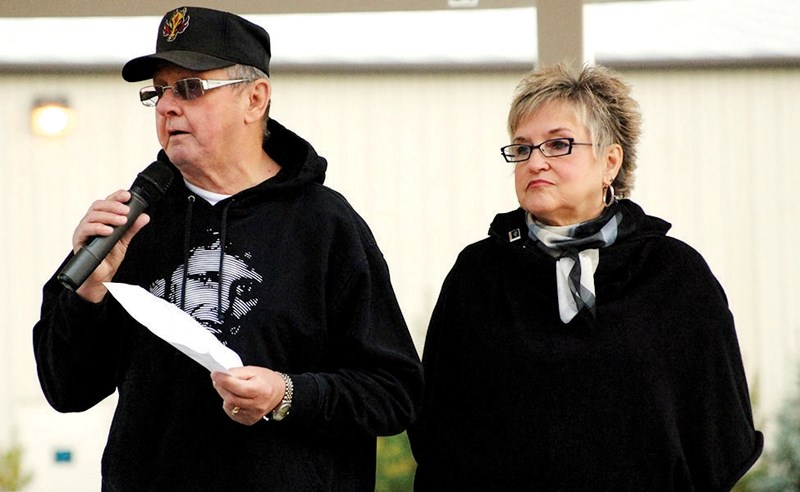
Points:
169	323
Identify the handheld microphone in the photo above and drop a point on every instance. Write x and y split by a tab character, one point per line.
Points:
148	187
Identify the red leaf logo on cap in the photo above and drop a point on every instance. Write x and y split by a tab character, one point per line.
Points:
175	24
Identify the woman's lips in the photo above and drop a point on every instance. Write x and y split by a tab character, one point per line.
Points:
538	183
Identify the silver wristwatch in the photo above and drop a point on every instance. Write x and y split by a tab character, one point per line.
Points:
282	410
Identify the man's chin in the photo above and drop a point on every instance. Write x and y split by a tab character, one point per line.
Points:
178	156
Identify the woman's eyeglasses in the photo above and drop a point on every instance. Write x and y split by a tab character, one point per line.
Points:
555	147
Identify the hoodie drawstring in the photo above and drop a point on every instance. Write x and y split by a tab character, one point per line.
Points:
187	250
186	245
222	241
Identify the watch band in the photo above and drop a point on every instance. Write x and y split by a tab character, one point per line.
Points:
282	410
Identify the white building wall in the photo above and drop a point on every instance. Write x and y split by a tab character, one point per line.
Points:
719	162
417	155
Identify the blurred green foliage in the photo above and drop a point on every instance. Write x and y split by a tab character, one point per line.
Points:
395	464
778	470
12	478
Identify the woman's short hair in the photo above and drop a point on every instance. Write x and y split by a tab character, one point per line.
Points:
602	100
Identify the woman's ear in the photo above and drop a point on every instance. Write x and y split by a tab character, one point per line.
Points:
613	162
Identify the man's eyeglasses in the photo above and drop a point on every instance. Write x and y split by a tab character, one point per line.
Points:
186	89
555	147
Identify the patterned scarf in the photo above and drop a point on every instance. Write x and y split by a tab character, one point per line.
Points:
576	247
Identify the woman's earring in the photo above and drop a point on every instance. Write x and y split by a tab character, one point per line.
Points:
608	195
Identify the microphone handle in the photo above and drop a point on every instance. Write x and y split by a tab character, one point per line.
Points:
91	254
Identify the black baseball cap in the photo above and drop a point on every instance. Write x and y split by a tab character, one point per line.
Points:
202	39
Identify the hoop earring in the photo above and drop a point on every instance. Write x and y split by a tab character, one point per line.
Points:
608	196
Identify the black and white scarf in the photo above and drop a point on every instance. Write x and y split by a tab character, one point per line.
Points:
576	249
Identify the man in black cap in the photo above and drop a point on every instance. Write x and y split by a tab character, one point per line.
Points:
277	266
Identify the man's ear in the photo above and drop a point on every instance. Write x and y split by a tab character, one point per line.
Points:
260	94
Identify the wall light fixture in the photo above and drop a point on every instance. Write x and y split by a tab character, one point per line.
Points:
52	117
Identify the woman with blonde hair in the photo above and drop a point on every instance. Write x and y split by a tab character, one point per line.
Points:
579	347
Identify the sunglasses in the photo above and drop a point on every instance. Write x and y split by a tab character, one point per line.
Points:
186	89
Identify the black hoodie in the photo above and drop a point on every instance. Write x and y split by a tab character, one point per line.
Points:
305	290
650	395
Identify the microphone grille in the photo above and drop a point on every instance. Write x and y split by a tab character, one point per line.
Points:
153	181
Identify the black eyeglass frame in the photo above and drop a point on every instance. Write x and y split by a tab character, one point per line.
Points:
569	141
150	95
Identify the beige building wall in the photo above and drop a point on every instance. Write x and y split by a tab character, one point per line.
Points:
417	155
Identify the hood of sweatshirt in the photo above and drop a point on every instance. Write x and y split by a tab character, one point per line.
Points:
300	164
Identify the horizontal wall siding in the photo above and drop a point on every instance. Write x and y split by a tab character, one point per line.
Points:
417	155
